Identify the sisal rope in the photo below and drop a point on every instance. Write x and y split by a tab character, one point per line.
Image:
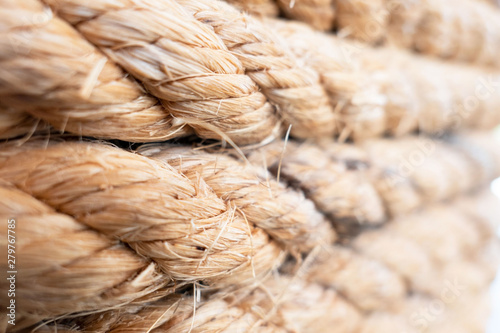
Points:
50	71
256	7
282	212
367	183
70	263
234	313
179	60
346	89
292	86
182	226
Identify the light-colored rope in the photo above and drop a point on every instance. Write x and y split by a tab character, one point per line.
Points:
463	30
64	267
181	225
282	212
320	14
292	86
256	7
179	60
50	71
365	184
379	91
223	312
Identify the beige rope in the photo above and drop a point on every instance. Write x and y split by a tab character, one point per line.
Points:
389	91
464	30
282	212
64	267
256	7
345	196
235	313
437	243
379	179
320	14
14	123
291	86
462	312
365	20
116	193
368	284
179	60
192	234
368	94
354	92
50	71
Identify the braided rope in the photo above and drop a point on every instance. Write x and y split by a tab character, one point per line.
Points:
180	61
256	7
320	14
389	91
292	87
50	71
189	232
380	179
267	308
464	30
282	212
168	217
68	269
210	78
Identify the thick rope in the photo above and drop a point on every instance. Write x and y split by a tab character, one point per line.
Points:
191	233
256	7
14	123
436	244
50	71
464	30
292	86
211	79
64	267
368	183
180	61
282	212
389	91
281	296
365	282
320	14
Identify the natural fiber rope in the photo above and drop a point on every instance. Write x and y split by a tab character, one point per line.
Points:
367	183
466	314
389	91
362	19
70	263
274	307
464	30
292	87
14	123
89	181
459	242
256	7
365	282
282	212
280	296
320	14
191	234
50	71
179	60
369	94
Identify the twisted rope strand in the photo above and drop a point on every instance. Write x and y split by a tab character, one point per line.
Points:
292	86
64	267
183	226
282	212
180	61
50	71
